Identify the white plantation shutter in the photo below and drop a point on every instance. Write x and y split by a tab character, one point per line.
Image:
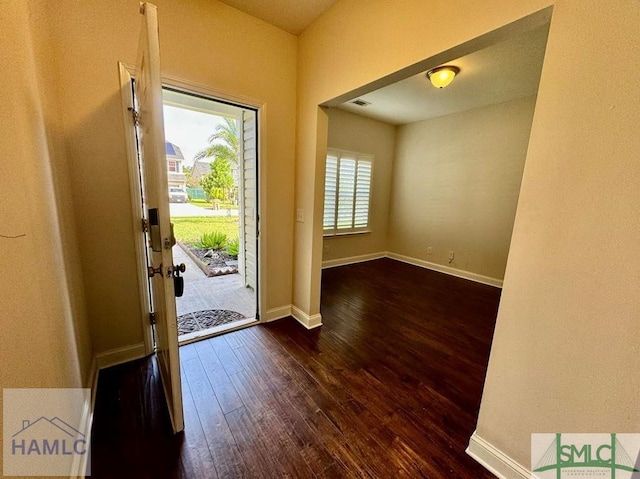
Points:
330	192
363	190
250	198
347	192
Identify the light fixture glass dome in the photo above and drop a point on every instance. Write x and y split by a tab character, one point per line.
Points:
441	76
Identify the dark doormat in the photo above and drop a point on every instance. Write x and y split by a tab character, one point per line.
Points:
200	320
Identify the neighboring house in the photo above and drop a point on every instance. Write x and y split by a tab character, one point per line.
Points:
203	167
175	160
200	168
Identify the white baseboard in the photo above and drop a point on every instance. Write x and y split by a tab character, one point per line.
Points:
303	318
276	313
495	460
117	356
478	278
332	263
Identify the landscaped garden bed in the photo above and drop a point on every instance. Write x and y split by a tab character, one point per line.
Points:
211	262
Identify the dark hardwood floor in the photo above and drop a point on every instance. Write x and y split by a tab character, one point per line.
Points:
388	387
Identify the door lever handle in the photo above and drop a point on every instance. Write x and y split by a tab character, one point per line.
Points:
178	268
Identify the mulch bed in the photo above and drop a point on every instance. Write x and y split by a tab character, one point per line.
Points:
211	262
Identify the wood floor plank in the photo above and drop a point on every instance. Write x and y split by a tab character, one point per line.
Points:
223	389
271	431
263	391
220	440
389	386
195	454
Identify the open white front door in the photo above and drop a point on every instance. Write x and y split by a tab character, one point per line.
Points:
148	92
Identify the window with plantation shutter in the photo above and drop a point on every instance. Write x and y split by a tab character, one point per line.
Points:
347	192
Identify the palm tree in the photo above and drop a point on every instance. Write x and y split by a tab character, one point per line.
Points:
227	135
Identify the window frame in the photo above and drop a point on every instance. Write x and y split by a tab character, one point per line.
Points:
340	154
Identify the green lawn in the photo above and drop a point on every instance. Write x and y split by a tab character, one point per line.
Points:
207	204
190	229
196	202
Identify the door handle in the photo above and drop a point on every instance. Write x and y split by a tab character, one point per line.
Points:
178	281
177	269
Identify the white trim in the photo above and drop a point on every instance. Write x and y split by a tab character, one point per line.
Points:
303	318
276	313
113	357
478	278
496	461
332	263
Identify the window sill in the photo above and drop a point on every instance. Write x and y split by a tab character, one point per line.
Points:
349	233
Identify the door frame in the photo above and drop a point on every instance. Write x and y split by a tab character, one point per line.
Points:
187	86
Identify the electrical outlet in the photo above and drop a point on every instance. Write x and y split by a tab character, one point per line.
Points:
300	215
429	250
451	254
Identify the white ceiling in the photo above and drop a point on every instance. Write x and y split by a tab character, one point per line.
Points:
290	15
502	72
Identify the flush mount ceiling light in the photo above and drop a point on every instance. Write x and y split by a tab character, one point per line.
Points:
441	76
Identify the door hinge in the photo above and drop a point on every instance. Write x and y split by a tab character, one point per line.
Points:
145	225
135	115
152	318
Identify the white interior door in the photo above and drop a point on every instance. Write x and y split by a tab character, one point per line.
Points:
250	198
148	92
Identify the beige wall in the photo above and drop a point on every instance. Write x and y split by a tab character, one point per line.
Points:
202	41
45	339
456	180
567	331
568	336
363	135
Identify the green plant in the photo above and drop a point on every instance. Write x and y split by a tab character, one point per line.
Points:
233	247
212	240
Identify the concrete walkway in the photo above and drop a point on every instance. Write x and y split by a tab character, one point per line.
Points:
220	292
187	209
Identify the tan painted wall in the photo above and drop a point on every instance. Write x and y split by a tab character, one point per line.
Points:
568	332
456	181
567	335
356	133
202	41
45	340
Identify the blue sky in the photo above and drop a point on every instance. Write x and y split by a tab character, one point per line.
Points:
189	129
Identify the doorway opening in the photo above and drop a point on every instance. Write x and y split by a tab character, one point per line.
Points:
211	157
